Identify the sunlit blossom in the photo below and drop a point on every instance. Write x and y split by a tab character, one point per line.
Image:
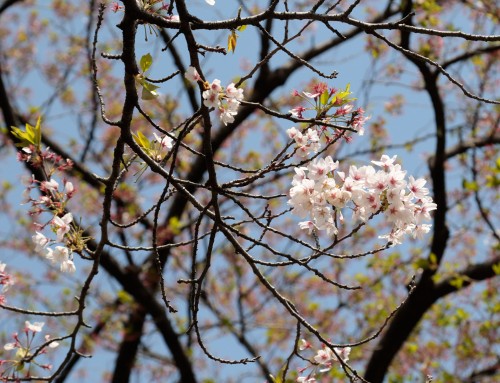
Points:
315	193
192	75
52	344
166	142
62	225
40	241
50	185
35	327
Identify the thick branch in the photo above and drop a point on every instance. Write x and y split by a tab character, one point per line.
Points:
127	352
419	302
473	273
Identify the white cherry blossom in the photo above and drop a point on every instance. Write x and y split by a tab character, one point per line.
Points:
40	241
166	142
192	75
35	327
234	93
62	225
385	162
68	266
316	193
51	185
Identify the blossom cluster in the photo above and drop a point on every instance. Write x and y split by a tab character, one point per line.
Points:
60	225
321	192
60	255
38	158
25	350
226	100
323	361
332	106
53	201
306	142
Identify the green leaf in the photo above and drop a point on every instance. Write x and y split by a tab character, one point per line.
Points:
231	41
32	135
324	97
462	314
278	378
38	131
241	28
124	297
457	282
175	225
433	258
470	185
412	347
433	261
142	140
146	62
149	91
496	268
341	98
23	137
421	264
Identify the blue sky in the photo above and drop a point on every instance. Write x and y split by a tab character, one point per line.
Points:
353	66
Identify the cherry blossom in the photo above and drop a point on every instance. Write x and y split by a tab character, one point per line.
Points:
25	349
34	327
306	379
50	185
172	18
5	279
52	344
234	93
69	189
358	121
323	360
9	346
297	111
115	7
166	142
211	96
226	101
385	162
68	266
228	111
416	187
192	75
304	344
324	356
320	191
62	256
62	225
343	110
40	241
306	143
